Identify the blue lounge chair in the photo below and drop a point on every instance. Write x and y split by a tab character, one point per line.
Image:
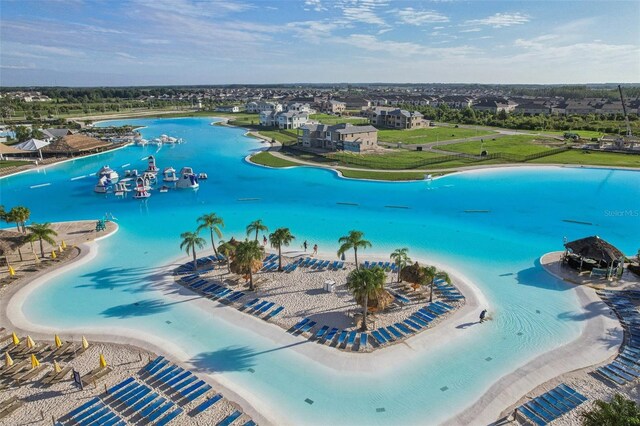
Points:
124	391
207	403
418	320
153	363
160	411
193	387
530	415
330	335
342	337
364	337
612	377
444	305
395	332
386	334
152	407
321	332
403	328
250	303
380	339
539	412
201	391
352	338
413	324
250	423
143	402
136	396
177	378
273	313
169	417
265	308
307	327
230	418
300	324
82	408
618	372
120	385
184	383
259	306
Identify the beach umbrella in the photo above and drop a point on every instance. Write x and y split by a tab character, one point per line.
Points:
12	272
56	366
53	254
30	342
58	341
64	245
103	362
14	337
8	362
60	249
85	344
34	361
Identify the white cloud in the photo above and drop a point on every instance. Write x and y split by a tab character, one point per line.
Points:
153	41
411	16
500	20
18	67
315	5
125	55
364	11
196	8
471	30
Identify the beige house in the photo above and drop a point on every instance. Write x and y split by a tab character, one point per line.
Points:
283	120
395	118
333	107
339	137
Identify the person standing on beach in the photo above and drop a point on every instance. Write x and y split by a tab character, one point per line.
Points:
483	315
264	240
315	249
305	245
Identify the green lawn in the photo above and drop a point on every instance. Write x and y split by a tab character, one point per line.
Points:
399	160
584	134
334	119
577	156
266	159
430	134
286	137
519	145
392	176
11	163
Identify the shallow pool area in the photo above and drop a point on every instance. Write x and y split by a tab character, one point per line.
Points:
491	225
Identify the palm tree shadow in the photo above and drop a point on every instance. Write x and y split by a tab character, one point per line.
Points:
141	308
232	358
536	276
592	310
134	280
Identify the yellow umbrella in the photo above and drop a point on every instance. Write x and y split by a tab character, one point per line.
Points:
35	257
53	254
58	341
34	361
64	245
16	340
30	342
60	249
103	362
8	362
85	344
56	366
12	272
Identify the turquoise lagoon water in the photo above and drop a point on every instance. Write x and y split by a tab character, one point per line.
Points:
533	312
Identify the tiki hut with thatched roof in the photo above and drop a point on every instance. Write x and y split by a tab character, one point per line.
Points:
10	242
591	253
75	145
378	301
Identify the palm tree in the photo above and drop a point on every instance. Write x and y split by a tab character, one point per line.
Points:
214	223
256	226
247	254
280	237
353	241
227	249
191	240
20	215
365	283
619	412
400	258
42	232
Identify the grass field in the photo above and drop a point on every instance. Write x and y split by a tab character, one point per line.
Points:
334	119
428	135
391	176
400	160
519	145
11	163
285	138
576	156
584	134
266	159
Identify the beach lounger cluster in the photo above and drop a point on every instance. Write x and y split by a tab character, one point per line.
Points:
447	291
270	263
262	308
205	264
10	405
332	336
321	265
212	291
415	323
550	405
94	411
387	266
626	367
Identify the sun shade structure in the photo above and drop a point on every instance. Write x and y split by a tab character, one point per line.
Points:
594	248
32	145
76	144
10	242
9	150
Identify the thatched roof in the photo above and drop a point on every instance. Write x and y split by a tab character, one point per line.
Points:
236	269
414	274
75	144
5	149
10	242
594	248
379	301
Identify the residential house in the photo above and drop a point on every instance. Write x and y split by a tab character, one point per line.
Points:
333	107
532	108
283	120
453	101
494	105
610	108
300	107
49	135
354	102
340	137
395	118
257	107
579	108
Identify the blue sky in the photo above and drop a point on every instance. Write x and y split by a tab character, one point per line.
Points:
149	42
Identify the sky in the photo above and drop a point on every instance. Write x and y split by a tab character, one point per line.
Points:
191	42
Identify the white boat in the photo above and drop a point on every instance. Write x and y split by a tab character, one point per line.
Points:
155	141
108	172
103	185
141	193
152	168
202	176
141	142
152	178
188	179
170	175
143	183
121	187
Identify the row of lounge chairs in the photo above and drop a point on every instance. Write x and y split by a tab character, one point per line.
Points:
415	323
260	308
626	367
10	405
332	336
387	266
319	264
550	405
205	264
448	291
